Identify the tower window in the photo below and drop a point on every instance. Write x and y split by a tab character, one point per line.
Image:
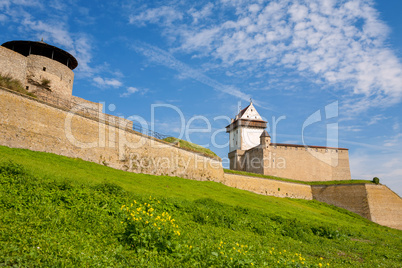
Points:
44	69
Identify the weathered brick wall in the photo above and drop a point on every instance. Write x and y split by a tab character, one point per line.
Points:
348	196
253	159
30	124
13	64
374	202
298	163
268	187
60	76
94	105
385	206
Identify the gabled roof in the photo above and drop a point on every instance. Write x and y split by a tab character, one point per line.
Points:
247	117
240	114
249	113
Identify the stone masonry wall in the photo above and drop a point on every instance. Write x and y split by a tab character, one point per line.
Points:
31	124
348	196
293	162
374	202
385	206
13	64
268	187
306	164
60	76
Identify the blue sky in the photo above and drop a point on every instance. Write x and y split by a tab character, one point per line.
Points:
189	65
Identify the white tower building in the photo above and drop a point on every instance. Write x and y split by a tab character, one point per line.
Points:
245	129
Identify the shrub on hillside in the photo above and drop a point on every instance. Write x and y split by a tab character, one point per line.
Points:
376	180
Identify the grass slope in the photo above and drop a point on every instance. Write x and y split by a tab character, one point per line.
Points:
58	211
191	146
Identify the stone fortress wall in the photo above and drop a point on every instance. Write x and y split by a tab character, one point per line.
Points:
294	162
268	187
39	126
13	64
40	68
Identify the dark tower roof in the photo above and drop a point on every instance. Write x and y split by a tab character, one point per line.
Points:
265	134
41	48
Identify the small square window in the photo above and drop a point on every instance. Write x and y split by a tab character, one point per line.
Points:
44	69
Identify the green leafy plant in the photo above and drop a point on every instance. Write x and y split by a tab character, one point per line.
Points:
149	229
376	180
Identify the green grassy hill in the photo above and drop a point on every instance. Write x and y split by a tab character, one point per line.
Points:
58	211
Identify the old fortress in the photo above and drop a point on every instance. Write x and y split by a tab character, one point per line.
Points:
51	119
250	149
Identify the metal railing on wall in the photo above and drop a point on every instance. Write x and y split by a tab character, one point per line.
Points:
149	132
93	112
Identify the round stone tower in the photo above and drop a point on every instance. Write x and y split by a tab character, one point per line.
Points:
43	69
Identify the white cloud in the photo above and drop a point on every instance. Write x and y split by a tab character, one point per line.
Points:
340	43
377	118
99	81
203	13
166	59
393	141
164	14
395	127
132	90
7	3
53	32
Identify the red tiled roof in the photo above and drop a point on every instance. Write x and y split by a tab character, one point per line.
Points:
242	111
